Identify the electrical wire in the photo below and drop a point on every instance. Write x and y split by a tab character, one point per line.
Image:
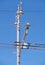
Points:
31	46
9	25
37	48
27	11
7	46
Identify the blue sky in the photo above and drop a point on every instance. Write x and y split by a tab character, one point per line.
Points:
34	13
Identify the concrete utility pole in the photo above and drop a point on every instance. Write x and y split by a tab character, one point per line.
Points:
17	23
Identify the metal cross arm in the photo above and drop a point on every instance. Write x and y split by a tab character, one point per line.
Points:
22	46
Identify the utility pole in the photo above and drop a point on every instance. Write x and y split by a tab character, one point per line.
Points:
17	23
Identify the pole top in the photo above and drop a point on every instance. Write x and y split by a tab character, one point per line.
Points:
20	11
20	2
